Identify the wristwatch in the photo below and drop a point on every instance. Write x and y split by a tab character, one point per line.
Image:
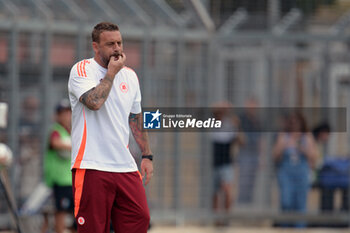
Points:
150	157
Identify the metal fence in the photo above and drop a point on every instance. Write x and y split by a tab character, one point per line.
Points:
180	63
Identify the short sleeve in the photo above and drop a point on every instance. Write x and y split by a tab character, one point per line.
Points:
80	80
136	107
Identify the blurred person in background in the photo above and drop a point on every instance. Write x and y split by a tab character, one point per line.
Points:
30	115
27	166
57	161
249	153
321	135
326	166
295	154
223	147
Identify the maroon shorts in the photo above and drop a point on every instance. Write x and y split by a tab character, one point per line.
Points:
103	196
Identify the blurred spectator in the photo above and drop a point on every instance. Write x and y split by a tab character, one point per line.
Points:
248	159
29	121
326	168
294	153
29	161
321	135
334	175
57	164
222	156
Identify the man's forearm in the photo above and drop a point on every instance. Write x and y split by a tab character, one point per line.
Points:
141	136
94	98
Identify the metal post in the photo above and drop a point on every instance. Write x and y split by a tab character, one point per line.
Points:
46	82
218	88
177	142
14	107
161	139
325	78
200	78
269	136
147	79
205	160
81	43
347	83
34	41
274	12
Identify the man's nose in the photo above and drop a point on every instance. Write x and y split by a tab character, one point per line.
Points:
116	47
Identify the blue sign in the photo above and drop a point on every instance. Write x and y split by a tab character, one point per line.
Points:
151	120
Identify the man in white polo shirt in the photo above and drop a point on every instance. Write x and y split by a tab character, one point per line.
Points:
106	99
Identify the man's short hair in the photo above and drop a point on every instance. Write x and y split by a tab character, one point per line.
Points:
101	27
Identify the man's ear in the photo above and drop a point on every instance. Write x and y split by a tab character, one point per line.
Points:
95	47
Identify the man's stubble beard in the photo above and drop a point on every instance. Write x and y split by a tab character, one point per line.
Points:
106	59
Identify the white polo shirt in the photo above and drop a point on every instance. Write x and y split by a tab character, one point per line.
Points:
100	138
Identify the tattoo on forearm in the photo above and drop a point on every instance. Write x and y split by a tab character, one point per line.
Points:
95	97
141	136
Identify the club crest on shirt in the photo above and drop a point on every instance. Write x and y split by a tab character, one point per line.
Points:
81	220
124	87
